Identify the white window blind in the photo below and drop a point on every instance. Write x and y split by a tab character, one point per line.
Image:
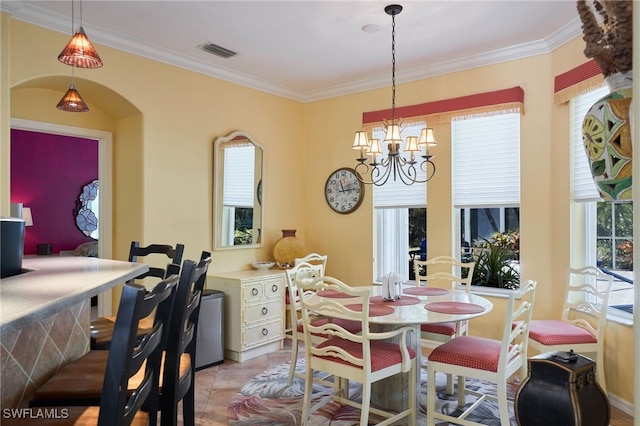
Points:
486	161
391	250
583	188
238	175
395	194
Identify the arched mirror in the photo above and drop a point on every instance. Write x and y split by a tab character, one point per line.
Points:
238	175
87	210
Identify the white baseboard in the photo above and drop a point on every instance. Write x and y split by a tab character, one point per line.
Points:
621	404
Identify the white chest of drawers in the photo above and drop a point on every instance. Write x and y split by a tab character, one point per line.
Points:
254	311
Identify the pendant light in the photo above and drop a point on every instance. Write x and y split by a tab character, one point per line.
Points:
72	101
79	52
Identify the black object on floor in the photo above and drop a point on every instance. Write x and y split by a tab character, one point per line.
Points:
561	389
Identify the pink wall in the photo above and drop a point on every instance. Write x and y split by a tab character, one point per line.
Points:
47	175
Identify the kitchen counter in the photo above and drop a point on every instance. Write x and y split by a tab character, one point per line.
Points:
45	315
52	283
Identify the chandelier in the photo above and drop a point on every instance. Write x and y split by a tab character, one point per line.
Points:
407	165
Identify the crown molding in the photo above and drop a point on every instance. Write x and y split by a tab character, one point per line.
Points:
32	14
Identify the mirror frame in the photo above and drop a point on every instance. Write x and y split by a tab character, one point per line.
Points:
218	184
86	216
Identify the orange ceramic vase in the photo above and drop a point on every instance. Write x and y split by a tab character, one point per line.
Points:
288	248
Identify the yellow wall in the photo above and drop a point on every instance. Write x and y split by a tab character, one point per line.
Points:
165	119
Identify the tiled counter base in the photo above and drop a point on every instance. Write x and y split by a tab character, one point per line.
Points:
31	355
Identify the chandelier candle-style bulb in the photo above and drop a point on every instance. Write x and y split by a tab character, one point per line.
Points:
393	133
375	150
411	147
361	142
428	138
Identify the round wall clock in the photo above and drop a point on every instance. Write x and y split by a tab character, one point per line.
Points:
344	191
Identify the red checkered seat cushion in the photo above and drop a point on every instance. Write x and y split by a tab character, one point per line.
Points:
445	328
469	351
383	354
556	332
354	327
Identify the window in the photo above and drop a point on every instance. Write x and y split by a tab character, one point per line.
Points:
400	220
481	223
486	176
237	223
602	231
614	236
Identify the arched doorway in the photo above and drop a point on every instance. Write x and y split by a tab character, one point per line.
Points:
33	109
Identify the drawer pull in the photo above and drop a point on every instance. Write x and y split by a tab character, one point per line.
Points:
254	291
265	311
265	331
274	288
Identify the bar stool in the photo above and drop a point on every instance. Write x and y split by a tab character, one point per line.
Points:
101	329
121	400
80	382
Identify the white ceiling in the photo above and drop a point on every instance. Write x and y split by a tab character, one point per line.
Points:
310	50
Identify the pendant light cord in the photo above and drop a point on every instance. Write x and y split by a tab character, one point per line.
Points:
73	19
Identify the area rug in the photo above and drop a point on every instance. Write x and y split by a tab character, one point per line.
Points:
267	400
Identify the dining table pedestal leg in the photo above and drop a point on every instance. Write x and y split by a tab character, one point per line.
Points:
392	393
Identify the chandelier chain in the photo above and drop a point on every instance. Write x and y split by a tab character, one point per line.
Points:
393	68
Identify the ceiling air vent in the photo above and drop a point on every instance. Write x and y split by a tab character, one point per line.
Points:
217	50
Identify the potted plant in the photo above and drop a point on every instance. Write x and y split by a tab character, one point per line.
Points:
495	262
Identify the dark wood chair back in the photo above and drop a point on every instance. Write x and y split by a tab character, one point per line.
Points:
101	328
177	377
173	253
127	354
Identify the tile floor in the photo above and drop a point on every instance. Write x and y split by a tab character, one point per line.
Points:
215	386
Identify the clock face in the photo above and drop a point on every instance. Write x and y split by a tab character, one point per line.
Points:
343	191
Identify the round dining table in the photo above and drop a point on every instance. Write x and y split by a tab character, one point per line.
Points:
414	307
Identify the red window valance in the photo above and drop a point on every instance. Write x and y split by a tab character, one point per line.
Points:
506	100
576	81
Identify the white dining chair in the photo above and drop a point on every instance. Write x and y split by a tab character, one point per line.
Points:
305	273
314	259
583	323
486	359
302	271
366	357
450	271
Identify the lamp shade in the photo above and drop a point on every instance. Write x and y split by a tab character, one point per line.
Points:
427	137
412	144
72	101
360	140
393	133
26	215
376	149
79	52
